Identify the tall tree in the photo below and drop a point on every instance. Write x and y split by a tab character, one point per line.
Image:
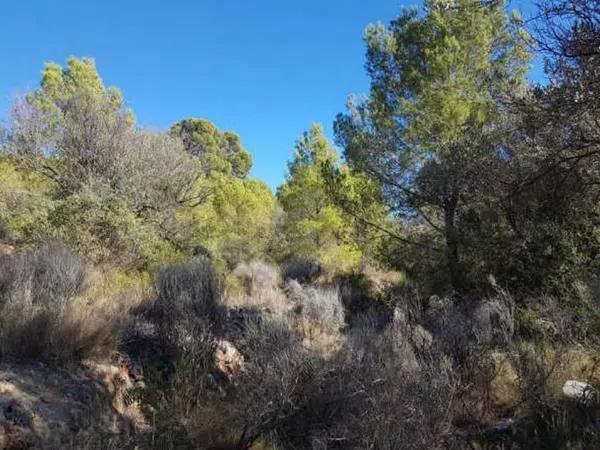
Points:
115	186
551	199
218	151
315	225
428	130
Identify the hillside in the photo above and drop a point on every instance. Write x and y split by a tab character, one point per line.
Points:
428	281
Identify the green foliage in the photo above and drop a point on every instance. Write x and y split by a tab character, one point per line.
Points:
24	204
217	151
428	131
315	226
237	223
122	194
112	190
104	228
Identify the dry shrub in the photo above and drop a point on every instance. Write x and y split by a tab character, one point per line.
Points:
274	385
262	289
188	289
369	397
532	376
45	313
182	326
302	270
493	320
451	325
189	314
319	315
280	380
51	274
545	318
320	305
257	276
360	293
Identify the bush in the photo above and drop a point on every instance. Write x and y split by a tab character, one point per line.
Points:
359	295
51	274
188	291
43	311
280	379
262	289
302	270
175	340
257	277
319	315
368	397
493	321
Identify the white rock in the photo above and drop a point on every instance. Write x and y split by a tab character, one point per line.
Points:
578	390
228	359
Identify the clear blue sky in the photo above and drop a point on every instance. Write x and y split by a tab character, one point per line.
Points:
265	69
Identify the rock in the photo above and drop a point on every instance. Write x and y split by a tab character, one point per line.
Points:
579	390
505	426
228	360
49	407
6	249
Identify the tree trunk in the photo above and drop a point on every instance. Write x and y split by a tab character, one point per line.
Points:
452	256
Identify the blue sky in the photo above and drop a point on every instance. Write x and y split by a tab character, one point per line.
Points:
265	69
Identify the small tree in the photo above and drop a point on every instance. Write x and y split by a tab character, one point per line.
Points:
315	225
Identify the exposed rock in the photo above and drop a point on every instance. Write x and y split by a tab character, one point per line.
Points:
6	249
44	407
228	360
579	390
505	426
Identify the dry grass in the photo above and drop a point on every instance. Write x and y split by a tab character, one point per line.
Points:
52	310
318	316
261	289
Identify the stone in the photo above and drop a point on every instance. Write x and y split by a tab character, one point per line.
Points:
228	360
579	390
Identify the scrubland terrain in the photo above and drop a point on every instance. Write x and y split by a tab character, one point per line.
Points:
435	286
269	362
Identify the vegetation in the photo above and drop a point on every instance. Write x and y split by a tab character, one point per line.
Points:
435	286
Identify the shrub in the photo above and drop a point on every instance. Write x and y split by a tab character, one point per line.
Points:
188	291
44	314
493	319
368	397
262	289
257	277
302	270
319	315
280	380
51	274
359	294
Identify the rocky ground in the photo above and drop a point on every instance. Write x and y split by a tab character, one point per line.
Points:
47	407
